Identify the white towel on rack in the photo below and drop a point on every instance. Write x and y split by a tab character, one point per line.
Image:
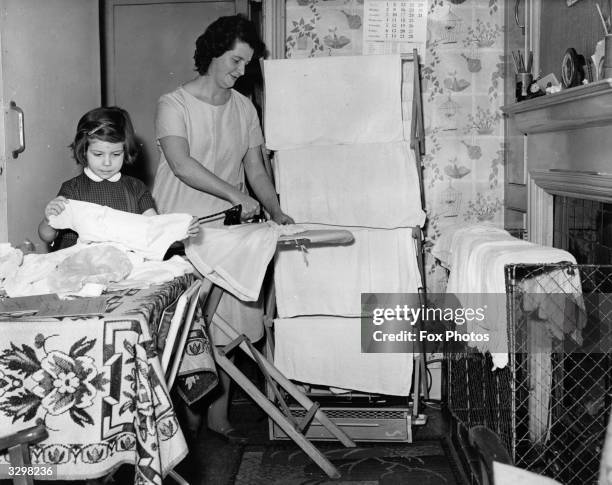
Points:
374	184
327	351
329	280
332	100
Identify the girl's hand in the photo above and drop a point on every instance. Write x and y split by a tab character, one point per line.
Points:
55	207
250	207
281	218
194	227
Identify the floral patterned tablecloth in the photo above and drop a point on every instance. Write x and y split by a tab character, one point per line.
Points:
97	385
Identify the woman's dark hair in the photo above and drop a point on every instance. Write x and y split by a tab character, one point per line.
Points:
112	125
220	37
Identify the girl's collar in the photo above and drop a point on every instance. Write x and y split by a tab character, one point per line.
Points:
96	178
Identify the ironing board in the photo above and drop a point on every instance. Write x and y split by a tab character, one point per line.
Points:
276	407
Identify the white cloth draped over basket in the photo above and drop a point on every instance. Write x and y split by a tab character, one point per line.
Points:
341	161
476	256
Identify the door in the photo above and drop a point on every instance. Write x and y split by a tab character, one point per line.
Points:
50	70
149	47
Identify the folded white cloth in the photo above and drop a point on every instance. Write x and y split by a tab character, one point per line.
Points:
477	278
329	280
374	185
332	100
327	351
453	239
236	257
150	236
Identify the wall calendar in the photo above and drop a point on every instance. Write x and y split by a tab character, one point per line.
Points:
394	26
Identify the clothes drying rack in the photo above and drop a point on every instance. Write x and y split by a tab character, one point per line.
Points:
360	416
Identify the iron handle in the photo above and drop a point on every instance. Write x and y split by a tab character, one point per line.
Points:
19	111
517	4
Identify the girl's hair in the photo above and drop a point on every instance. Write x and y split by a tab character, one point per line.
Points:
112	125
220	37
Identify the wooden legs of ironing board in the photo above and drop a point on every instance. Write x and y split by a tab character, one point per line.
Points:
284	421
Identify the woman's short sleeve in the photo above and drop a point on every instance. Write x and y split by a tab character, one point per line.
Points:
255	135
169	118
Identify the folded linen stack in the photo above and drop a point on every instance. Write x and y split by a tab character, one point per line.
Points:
341	161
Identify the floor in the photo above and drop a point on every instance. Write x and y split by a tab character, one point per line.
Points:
213	461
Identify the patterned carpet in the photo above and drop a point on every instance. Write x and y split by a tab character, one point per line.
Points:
422	463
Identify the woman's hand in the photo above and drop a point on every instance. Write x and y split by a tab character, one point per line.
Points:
250	206
55	207
281	218
194	227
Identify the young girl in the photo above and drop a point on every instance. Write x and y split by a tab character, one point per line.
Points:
103	142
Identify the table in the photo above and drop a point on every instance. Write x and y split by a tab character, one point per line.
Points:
97	385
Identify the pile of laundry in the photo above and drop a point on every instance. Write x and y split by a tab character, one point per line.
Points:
115	250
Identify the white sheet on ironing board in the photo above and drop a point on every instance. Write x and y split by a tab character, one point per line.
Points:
332	100
478	271
236	257
327	351
373	184
329	280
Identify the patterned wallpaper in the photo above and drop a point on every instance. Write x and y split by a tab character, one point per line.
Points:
462	72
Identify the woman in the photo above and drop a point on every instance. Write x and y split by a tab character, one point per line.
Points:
210	138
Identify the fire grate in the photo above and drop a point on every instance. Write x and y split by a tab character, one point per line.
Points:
550	405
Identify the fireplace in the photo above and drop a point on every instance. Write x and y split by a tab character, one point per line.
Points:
566	380
568	161
583	227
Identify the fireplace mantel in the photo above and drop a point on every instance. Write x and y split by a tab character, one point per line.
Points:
575	108
568	150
